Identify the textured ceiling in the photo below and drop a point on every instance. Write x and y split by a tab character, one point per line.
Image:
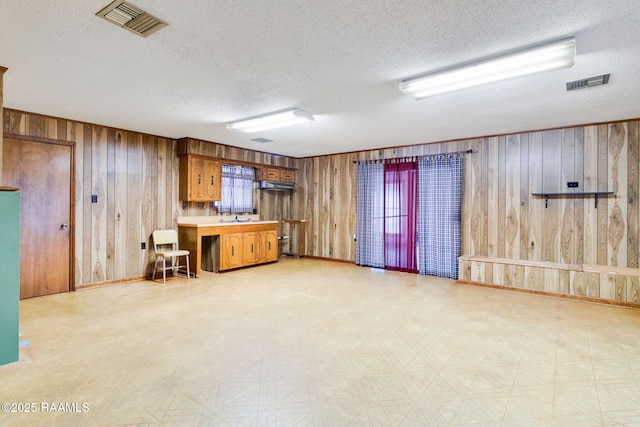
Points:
220	61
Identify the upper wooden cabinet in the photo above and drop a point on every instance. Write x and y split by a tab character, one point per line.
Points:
200	179
274	173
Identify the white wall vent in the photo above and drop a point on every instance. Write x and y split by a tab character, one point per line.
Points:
588	82
128	16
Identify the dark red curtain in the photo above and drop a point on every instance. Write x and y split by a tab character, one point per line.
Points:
400	202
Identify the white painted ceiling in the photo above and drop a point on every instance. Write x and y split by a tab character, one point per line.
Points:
219	61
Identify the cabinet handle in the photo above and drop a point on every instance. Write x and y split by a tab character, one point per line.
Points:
211	179
232	250
252	248
269	245
199	179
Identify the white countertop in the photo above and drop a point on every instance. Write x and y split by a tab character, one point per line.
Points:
208	221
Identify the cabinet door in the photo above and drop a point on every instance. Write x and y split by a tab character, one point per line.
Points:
231	251
197	189
251	248
270	246
213	180
287	175
271	174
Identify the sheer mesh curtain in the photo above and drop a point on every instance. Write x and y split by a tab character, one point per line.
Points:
237	189
400	181
370	215
439	214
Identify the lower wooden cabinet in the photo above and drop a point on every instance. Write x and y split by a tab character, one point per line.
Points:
270	246
231	246
249	248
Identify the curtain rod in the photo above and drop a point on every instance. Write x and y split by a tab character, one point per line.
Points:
415	157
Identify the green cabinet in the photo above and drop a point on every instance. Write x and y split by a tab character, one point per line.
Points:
10	279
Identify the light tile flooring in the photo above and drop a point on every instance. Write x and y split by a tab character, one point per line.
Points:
316	343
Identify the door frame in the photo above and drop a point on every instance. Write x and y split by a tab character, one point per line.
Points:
72	195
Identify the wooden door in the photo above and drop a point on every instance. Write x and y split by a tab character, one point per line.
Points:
231	251
42	172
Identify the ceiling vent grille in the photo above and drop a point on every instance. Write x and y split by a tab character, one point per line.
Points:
262	140
128	16
589	82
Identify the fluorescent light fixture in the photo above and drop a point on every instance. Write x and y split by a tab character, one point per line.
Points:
548	56
272	121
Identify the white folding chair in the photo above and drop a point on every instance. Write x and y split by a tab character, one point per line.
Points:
165	244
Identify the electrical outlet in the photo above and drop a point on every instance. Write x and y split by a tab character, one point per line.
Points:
572	184
143	245
94	198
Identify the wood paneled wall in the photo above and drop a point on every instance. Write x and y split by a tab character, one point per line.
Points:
135	177
501	220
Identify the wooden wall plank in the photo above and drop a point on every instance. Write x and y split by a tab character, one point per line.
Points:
551	178
590	227
86	215
633	204
478	207
99	208
536	205
512	197
603	185
134	208
111	204
567	170
78	139
493	204
121	192
525	196
617	175
148	220
578	202
500	210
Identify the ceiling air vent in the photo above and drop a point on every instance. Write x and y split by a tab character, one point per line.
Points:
589	82
262	140
127	16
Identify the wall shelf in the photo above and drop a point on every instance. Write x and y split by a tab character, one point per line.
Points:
595	194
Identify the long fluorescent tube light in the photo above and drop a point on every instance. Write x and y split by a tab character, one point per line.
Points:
271	121
548	56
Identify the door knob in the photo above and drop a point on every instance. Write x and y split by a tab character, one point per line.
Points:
64	226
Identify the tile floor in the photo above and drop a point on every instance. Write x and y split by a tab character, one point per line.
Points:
315	343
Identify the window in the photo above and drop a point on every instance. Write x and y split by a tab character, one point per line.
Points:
237	189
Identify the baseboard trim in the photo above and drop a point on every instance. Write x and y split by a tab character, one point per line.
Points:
110	282
347	261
